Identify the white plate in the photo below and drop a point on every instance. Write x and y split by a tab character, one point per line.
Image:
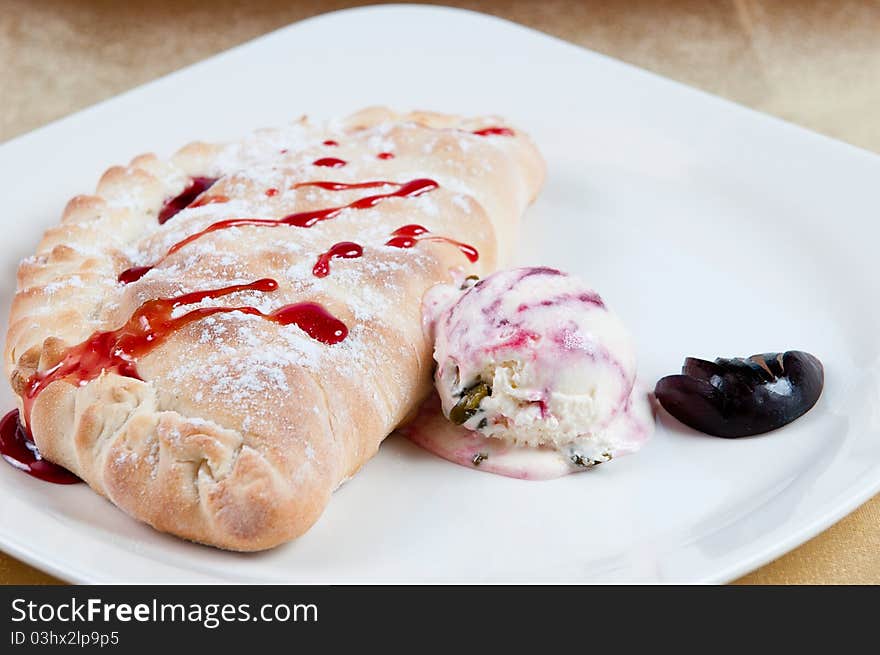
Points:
712	229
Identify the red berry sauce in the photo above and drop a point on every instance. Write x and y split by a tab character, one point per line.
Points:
18	448
329	162
201	201
117	351
494	131
344	186
301	219
341	250
409	235
197	186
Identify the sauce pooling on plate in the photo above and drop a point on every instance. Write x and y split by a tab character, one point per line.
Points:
431	430
18	448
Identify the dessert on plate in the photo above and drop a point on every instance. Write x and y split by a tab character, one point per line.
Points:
216	341
536	376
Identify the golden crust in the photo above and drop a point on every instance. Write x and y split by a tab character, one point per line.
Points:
240	429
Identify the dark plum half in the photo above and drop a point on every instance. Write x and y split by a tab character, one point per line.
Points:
740	397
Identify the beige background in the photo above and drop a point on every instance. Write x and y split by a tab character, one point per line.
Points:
813	63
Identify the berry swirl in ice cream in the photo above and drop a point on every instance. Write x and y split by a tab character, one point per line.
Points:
536	377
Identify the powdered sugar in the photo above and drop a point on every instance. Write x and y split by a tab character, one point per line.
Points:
462	202
265	145
126	457
427	205
244	361
71	281
379	143
239	359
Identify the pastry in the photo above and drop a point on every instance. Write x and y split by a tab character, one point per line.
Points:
215	342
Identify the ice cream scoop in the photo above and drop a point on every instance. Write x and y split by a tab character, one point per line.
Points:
533	358
742	397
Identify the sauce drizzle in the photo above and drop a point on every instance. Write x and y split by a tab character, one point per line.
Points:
341	250
344	186
117	351
409	235
309	218
494	131
201	201
329	162
172	206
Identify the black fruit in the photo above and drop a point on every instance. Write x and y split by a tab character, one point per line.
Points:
740	397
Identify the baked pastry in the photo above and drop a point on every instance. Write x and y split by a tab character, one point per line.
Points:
217	341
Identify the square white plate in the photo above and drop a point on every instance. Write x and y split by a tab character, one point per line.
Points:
713	230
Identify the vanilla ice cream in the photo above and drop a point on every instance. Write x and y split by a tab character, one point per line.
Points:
533	357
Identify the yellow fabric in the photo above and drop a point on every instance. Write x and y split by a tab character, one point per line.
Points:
814	63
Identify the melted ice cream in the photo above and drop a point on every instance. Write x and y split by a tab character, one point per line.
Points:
536	374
